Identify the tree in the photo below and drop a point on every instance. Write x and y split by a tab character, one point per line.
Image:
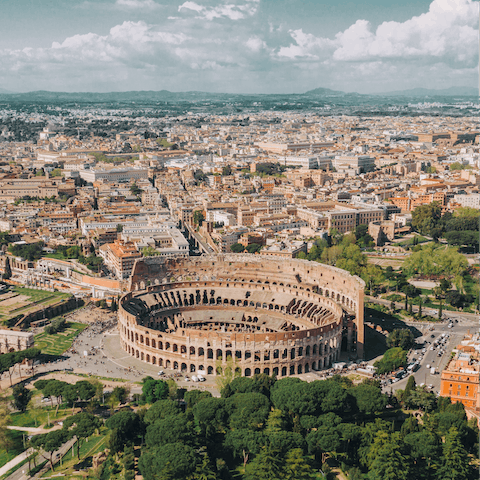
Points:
369	398
21	397
297	467
387	461
392	359
82	425
50	442
426	217
173	461
455	461
198	217
248	410
401	337
227	170
154	390
254	248
237	248
267	465
119	228
127	426
172	429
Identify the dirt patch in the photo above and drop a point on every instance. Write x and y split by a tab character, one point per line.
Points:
18	299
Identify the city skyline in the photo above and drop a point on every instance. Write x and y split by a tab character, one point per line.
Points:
241	46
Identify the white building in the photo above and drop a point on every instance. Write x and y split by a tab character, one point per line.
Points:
115	175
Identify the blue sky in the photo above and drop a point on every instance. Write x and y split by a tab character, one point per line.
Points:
242	46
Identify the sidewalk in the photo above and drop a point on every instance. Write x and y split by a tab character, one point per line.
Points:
15	461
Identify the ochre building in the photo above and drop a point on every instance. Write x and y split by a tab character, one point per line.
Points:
257	314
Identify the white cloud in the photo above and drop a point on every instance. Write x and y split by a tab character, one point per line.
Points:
231	11
255	44
306	45
137	4
235	50
448	32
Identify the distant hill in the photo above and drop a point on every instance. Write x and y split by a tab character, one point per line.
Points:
3	91
324	91
132	96
423	92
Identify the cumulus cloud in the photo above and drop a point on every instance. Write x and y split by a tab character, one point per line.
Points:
137	4
230	11
447	32
228	46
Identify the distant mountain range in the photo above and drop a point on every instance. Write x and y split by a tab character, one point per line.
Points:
165	95
422	92
413	92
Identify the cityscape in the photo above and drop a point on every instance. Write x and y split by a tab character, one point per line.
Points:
240	276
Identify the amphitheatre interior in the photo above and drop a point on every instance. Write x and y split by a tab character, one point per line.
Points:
252	313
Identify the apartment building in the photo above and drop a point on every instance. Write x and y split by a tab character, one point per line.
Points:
120	258
460	378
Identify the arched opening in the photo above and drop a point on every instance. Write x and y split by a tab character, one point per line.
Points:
183	349
184	367
210	370
201	352
275	371
292	369
192	368
284	371
148	358
248	372
175	365
299	369
209	353
192	350
257	371
266	371
154	360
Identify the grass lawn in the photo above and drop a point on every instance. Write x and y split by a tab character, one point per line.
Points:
57	343
20	300
16	448
26	419
409	241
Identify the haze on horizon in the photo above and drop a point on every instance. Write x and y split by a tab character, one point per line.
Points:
238	46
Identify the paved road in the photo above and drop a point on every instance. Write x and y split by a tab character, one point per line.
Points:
467	317
422	375
21	473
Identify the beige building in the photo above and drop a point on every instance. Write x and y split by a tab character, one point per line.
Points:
120	258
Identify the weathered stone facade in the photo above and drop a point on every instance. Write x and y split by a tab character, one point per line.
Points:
268	315
14	341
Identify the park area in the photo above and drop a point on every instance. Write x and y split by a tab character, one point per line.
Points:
19	301
57	343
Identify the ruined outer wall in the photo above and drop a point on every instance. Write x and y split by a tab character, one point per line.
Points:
331	282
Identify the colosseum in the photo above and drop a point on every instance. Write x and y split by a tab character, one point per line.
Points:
256	314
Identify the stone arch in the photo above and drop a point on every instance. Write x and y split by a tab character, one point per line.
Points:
192	368
284	371
247	372
175	365
148	358
183	367
192	350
